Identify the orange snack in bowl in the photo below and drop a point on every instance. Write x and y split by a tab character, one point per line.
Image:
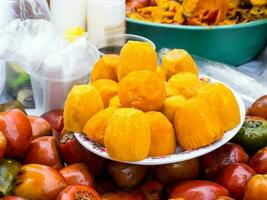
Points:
96	126
171	104
143	90
136	56
222	100
107	89
196	124
161	73
82	102
177	61
128	135
106	68
185	84
115	102
170	91
163	140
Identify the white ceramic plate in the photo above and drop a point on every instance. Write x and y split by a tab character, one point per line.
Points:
180	155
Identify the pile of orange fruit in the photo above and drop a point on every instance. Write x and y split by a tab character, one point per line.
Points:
137	109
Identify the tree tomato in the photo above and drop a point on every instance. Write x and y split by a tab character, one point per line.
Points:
40	182
13	198
212	163
3	145
123	195
55	118
78	192
77	173
152	190
259	161
40	127
234	177
198	190
18	131
256	188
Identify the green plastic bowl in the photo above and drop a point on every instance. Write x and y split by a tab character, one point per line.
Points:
232	44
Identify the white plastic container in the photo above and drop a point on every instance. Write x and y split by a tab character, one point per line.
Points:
104	18
67	14
2	75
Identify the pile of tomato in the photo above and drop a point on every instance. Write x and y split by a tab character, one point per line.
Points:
39	160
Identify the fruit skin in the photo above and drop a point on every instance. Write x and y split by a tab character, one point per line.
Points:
107	89
76	192
115	102
72	152
18	131
55	119
128	141
105	185
259	108
259	161
253	134
49	181
8	170
198	189
105	68
40	127
136	56
256	188
204	124
43	150
96	126
225	155
3	145
234	177
143	90
177	61
178	171
13	198
123	195
163	139
12	105
82	102
152	189
126	175
77	173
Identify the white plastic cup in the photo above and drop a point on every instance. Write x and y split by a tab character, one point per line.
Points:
2	75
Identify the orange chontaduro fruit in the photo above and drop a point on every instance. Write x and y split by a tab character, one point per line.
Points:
82	102
107	89
128	135
196	124
105	68
136	56
163	140
177	61
96	126
115	102
222	100
143	90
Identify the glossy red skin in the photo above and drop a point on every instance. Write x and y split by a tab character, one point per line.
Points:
152	189
13	198
198	190
234	177
72	152
105	186
213	163
77	192
43	150
123	195
3	145
259	108
77	174
40	127
224	198
259	161
18	131
55	118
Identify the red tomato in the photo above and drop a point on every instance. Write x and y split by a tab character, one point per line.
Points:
213	163
123	195
77	174
72	152
198	190
3	145
78	192
40	182
259	161
55	118
40	127
43	150
234	177
13	198
152	190
18	131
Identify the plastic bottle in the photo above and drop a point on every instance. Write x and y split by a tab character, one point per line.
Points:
104	18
